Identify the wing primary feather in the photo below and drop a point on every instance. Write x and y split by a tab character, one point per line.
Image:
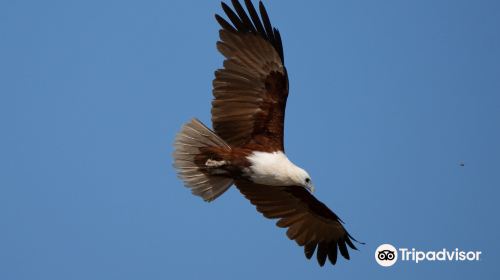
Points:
309	250
243	15
234	18
349	242
255	18
267	22
343	249
350	236
322	253
279	45
224	24
332	253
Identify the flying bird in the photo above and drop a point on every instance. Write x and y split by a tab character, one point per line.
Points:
245	147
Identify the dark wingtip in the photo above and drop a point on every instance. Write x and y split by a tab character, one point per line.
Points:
224	5
349	242
343	249
224	24
309	250
250	21
332	254
359	242
322	253
322	260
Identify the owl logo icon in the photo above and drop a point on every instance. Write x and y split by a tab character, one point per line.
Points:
386	255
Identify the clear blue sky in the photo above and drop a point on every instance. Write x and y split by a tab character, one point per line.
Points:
386	98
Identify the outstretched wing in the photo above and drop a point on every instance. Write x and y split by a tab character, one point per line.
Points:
250	92
310	223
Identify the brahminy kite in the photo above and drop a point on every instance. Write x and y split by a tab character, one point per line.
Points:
245	147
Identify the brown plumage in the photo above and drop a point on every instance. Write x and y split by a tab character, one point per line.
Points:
310	223
246	147
251	90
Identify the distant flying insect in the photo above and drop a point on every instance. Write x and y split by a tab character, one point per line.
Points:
462	163
245	147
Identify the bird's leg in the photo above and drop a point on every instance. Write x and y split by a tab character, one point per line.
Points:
215	163
214	166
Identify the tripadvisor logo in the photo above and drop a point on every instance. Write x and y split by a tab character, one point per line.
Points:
387	255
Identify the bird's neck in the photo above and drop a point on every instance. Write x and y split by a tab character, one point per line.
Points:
273	169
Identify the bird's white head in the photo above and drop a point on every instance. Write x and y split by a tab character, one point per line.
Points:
301	178
275	169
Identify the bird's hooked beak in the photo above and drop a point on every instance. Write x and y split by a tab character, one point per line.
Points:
310	187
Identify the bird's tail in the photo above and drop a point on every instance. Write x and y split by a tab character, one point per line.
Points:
196	162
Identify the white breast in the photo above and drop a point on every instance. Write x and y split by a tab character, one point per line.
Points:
273	169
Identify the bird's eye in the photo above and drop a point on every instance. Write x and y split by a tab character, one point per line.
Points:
308	180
